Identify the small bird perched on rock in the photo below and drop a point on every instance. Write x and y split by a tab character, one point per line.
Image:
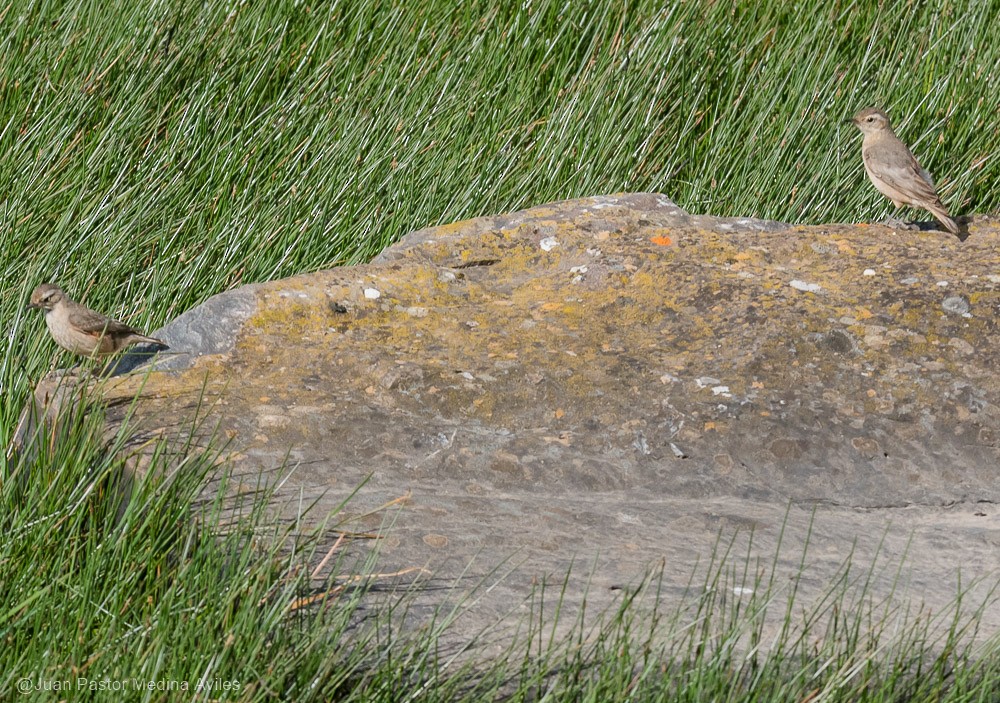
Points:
79	329
893	169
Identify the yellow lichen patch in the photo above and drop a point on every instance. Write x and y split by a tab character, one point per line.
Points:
845	247
455	228
205	371
986	298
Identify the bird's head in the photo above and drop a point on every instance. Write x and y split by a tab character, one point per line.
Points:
871	119
46	297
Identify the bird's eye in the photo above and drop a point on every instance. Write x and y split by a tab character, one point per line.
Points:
870	119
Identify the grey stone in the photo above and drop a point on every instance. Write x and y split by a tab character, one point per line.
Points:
611	383
956	304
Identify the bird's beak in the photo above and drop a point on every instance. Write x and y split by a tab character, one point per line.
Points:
31	306
849	120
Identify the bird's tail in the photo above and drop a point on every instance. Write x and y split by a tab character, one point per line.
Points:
944	218
143	339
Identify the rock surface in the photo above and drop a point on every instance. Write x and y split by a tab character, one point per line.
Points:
613	383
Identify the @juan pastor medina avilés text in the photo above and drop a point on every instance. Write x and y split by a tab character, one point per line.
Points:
28	685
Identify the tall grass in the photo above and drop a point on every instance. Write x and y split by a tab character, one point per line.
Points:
151	598
156	153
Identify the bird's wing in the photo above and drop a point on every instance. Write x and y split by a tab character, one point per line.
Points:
900	170
97	324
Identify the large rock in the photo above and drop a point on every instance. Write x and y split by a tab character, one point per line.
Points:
611	382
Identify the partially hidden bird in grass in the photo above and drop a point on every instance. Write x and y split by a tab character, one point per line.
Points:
894	170
78	329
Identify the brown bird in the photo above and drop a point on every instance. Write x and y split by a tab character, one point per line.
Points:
893	169
79	329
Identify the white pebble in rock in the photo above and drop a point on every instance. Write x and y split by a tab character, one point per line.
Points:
807	287
957	304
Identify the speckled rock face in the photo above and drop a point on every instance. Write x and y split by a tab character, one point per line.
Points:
612	380
615	344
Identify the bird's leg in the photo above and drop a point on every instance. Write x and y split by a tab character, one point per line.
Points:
897	223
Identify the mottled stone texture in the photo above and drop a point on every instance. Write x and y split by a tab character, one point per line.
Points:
614	381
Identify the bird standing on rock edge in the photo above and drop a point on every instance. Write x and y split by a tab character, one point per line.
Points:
78	329
894	170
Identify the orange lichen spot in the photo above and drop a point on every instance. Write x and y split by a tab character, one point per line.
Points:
845	248
662	240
